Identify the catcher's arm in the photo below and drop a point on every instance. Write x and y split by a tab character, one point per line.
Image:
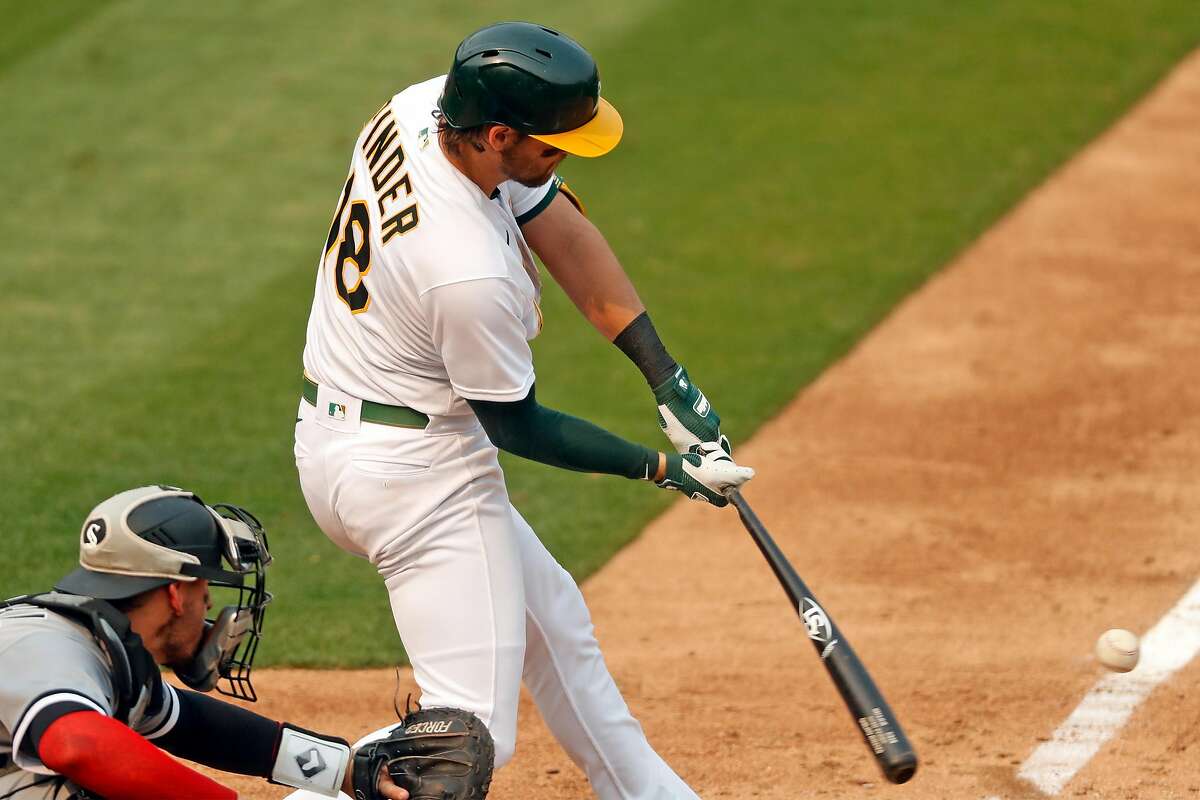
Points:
105	757
233	739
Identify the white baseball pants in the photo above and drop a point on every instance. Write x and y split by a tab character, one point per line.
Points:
479	602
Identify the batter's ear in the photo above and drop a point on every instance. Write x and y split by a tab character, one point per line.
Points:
502	137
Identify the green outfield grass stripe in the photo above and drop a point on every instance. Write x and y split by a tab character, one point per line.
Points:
788	173
29	27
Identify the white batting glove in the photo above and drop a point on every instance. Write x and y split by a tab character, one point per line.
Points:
705	474
686	416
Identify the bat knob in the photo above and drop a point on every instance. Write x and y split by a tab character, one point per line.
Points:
902	770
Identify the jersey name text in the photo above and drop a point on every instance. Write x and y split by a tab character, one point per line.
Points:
385	157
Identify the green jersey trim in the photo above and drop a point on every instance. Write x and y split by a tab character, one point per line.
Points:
542	204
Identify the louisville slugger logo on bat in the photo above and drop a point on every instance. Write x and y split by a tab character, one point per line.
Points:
816	621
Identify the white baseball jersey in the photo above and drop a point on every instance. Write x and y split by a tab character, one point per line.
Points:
46	659
426	293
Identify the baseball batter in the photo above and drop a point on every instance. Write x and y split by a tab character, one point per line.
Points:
418	367
84	710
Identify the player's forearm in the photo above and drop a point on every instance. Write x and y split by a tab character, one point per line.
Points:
597	284
533	431
234	739
639	341
222	735
580	260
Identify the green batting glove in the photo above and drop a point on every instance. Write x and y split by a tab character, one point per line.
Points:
686	416
705	475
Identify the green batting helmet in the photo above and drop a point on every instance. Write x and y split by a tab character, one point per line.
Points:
534	80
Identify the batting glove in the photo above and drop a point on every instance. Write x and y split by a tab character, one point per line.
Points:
705	474
685	415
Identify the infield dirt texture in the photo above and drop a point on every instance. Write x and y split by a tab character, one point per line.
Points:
1001	470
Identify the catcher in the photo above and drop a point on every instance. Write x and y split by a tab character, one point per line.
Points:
85	713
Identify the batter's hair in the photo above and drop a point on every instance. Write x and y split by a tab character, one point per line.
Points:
455	138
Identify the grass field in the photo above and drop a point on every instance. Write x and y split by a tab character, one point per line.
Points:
787	175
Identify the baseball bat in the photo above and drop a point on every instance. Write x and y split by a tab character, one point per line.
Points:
879	727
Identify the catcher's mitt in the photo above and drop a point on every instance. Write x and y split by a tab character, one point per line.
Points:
434	753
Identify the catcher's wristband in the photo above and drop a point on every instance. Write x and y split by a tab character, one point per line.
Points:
308	760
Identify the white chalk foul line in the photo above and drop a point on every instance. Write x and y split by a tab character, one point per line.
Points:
1169	645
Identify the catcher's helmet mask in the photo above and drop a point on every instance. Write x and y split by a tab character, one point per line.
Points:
532	79
145	538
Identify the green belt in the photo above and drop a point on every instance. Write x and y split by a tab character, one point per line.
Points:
380	414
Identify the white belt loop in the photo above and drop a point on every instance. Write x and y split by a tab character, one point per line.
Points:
458	423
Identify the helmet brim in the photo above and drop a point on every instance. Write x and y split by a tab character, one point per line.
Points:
107	585
594	138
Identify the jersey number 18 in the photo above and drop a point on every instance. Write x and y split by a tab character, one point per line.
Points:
353	258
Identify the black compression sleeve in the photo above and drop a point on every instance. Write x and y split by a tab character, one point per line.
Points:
44	719
532	431
639	341
222	735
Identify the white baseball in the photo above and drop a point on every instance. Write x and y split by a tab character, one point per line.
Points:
1118	650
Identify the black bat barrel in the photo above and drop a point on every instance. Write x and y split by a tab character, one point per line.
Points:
879	728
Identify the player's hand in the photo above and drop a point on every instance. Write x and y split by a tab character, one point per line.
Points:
705	474
388	787
385	785
686	416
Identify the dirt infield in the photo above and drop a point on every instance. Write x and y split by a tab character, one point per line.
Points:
1005	468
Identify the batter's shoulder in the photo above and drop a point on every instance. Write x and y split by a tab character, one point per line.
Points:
452	248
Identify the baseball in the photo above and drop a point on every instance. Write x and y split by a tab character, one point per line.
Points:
1118	650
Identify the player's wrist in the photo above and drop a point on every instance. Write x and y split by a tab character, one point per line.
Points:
640	343
668	389
671	466
311	761
654	465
